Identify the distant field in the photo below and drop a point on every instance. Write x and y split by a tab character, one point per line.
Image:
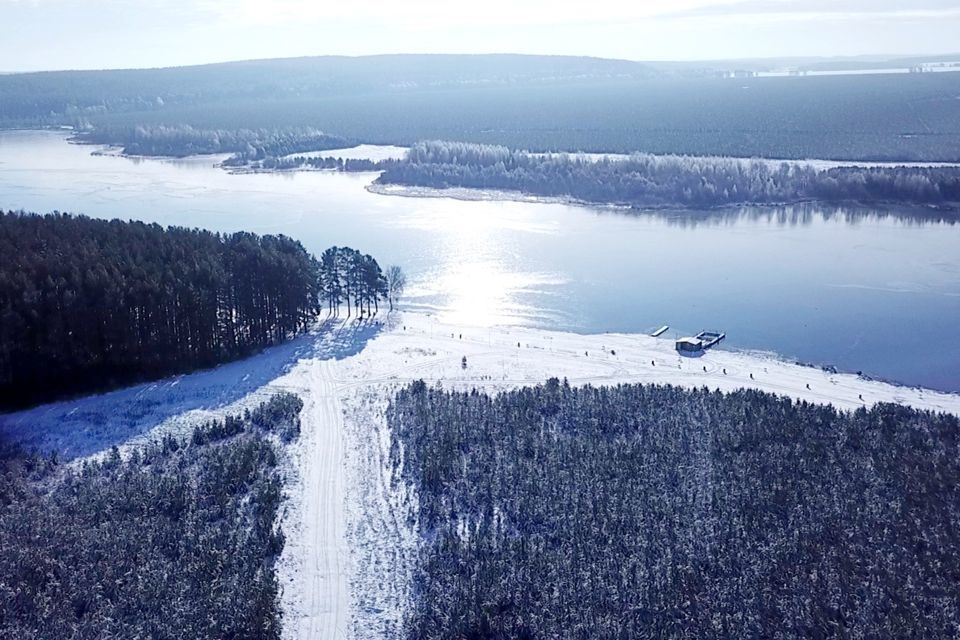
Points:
883	117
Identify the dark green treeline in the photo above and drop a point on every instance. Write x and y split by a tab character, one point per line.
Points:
90	304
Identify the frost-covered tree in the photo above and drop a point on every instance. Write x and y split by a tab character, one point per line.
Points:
177	539
656	512
645	180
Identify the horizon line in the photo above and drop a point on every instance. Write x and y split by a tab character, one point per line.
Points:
933	57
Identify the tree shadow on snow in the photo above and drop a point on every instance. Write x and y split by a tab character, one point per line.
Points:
83	426
341	338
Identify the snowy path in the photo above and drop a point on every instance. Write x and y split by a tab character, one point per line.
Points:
323	577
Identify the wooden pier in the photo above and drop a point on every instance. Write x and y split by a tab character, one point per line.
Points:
710	338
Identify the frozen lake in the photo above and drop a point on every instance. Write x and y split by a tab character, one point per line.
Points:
870	290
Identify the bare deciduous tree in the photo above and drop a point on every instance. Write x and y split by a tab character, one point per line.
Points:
396	283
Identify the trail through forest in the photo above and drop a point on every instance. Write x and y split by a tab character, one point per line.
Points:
323	550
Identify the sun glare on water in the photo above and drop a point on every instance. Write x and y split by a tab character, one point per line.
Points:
475	281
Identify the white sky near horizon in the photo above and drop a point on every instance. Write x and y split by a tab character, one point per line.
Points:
92	34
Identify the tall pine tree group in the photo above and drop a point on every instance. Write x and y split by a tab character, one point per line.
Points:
351	278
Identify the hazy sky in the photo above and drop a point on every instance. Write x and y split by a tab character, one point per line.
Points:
59	34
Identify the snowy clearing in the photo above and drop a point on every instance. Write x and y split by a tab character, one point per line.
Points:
345	569
419	346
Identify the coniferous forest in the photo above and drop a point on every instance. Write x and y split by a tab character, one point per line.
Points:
177	539
656	512
644	180
246	144
89	304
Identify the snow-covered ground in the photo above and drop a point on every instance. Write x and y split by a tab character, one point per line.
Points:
345	570
418	346
83	426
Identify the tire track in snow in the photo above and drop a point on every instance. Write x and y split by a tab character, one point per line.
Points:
323	579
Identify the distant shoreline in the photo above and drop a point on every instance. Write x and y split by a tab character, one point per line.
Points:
74	138
950	210
468	194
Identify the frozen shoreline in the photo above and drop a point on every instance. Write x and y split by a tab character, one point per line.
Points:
376	152
497	362
471	194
